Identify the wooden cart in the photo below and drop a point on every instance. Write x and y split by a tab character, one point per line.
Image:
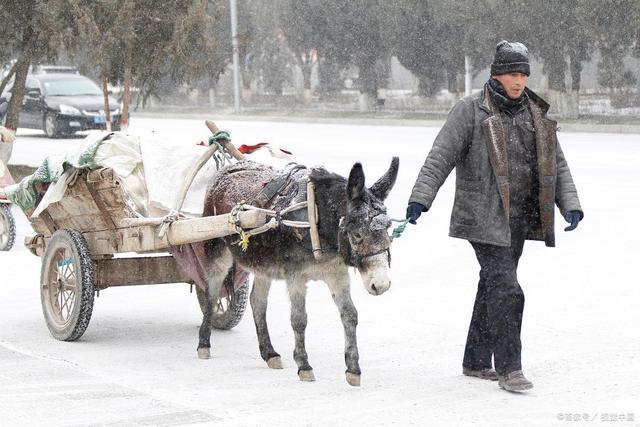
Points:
81	239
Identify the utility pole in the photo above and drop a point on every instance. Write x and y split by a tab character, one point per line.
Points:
236	59
467	75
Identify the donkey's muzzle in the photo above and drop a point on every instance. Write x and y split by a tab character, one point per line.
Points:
375	274
378	289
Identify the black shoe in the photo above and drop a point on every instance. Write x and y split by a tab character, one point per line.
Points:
484	374
514	381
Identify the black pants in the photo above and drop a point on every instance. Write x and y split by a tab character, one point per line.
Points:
497	312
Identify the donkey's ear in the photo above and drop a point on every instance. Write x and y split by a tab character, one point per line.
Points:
355	186
383	186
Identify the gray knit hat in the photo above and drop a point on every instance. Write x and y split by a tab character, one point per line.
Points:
511	57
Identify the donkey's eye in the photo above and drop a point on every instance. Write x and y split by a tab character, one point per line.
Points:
357	237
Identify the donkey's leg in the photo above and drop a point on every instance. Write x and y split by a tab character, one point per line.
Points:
218	269
258	299
297	293
339	287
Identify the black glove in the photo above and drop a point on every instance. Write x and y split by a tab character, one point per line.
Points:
573	218
414	210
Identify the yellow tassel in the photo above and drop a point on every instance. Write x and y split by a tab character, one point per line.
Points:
244	241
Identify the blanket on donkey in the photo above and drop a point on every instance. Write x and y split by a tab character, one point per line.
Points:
272	189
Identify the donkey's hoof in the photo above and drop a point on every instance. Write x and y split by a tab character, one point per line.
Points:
307	375
204	353
275	362
353	379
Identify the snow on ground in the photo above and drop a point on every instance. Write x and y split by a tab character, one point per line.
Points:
137	363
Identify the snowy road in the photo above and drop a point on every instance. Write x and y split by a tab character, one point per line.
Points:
137	363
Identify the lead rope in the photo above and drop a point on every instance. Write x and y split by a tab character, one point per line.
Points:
397	232
221	156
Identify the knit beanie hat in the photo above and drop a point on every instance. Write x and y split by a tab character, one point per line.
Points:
511	57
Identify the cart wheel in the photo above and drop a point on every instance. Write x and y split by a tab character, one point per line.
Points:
7	227
228	310
67	285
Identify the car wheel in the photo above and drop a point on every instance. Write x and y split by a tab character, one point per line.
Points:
51	126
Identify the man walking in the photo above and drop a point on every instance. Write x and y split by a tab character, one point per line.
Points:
510	170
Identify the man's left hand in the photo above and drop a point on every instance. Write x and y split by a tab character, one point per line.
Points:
573	218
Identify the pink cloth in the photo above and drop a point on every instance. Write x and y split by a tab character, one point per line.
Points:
193	260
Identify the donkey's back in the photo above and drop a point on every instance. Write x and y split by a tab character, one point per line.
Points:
236	182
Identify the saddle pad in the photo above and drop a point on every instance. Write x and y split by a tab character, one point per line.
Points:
277	184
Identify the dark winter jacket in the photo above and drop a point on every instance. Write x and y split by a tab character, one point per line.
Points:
474	141
521	150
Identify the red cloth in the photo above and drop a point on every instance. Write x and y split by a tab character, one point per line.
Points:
247	149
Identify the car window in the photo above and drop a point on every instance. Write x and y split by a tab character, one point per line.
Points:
71	87
7	88
31	84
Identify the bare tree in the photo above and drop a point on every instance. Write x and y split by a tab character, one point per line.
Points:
142	42
35	33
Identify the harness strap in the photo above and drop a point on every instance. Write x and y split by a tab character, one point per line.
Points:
276	185
306	190
273	223
312	214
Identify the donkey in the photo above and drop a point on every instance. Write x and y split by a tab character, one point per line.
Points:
352	226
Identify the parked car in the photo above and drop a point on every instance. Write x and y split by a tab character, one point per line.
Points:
55	69
61	104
